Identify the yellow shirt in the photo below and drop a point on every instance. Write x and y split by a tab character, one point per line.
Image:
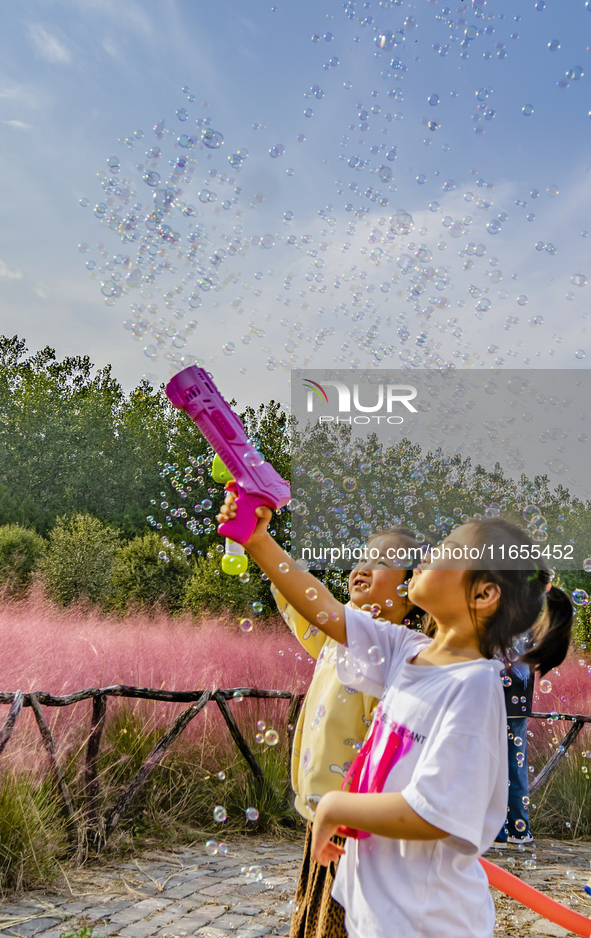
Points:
333	720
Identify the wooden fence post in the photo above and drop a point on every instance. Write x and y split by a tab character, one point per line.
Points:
49	743
555	758
239	738
151	761
99	712
8	725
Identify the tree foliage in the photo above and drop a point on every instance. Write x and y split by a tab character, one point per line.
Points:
79	560
20	551
143	579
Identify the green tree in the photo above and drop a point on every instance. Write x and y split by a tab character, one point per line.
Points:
150	576
20	550
71	441
78	563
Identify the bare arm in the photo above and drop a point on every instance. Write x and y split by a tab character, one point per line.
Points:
388	815
302	590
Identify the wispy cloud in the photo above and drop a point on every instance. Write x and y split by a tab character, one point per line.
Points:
48	46
6	274
20	125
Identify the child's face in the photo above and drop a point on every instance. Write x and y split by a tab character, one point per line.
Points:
438	586
375	581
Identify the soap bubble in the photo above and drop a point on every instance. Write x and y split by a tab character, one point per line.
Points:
244	577
517	741
402	589
311	593
252	814
349	484
322	618
284	567
554	45
506	680
579	280
545	687
433	100
277	150
219	814
222	776
552	191
528	109
271	738
246	625
223	849
211	847
257	607
587	565
574	74
580	353
520	825
253	458
375	655
580	597
212	139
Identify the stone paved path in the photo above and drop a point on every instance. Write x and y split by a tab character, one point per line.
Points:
182	892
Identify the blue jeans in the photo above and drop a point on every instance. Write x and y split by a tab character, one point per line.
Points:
518	812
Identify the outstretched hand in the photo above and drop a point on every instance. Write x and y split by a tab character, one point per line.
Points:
264	515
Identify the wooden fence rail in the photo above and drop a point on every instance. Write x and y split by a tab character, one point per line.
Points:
97	830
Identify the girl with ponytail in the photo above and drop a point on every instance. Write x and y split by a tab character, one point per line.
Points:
428	790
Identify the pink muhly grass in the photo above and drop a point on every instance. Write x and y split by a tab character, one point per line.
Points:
570	693
59	651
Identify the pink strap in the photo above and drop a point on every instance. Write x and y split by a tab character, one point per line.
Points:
353	774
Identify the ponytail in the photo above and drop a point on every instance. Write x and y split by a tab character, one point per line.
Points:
551	633
527	599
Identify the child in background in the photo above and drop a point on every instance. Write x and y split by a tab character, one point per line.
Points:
518	701
430	785
334	719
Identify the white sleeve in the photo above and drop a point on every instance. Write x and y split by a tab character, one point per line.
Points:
459	781
372	649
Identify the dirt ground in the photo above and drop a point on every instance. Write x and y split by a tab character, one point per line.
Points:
559	868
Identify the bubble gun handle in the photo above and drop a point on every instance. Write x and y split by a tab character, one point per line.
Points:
234	561
257	482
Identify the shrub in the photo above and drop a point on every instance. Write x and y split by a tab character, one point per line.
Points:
20	549
78	563
211	590
141	579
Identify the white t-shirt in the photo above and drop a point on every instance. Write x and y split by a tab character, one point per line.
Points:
450	767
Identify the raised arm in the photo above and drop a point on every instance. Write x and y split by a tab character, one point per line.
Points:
302	590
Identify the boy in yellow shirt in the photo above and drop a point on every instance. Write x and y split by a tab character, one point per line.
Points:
334	719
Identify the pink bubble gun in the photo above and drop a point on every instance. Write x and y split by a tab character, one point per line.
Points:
256	482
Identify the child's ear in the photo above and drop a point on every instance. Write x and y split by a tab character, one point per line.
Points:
486	594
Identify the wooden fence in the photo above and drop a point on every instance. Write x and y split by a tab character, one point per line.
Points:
97	830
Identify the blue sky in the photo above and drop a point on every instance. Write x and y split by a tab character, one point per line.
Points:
79	77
